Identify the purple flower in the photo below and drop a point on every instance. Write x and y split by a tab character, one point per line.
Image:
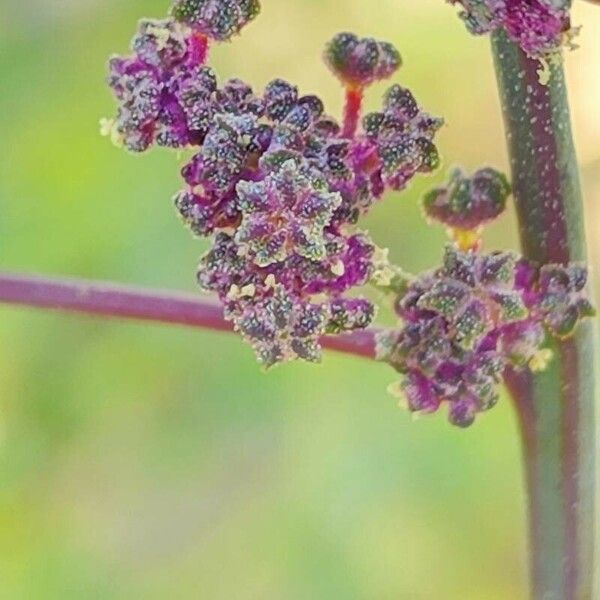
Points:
467	203
217	19
280	98
403	136
538	26
277	182
458	333
563	302
223	156
280	327
272	308
224	268
348	314
349	263
284	214
466	322
163	90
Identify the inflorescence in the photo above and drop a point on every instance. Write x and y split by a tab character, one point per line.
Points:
276	182
540	27
279	187
466	322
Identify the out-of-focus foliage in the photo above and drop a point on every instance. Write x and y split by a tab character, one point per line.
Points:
148	462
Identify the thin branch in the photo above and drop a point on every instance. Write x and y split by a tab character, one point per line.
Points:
111	300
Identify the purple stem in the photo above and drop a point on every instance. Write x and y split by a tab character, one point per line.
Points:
107	299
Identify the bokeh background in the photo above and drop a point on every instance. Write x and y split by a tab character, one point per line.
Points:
151	462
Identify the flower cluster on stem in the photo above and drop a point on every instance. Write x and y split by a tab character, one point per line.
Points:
276	183
279	187
465	323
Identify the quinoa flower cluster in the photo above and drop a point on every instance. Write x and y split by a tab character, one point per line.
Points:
279	187
276	183
465	323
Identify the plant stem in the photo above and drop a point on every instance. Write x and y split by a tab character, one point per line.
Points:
107	299
352	110
555	408
199	46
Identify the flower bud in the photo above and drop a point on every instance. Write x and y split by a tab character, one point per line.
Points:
563	301
466	202
217	19
359	62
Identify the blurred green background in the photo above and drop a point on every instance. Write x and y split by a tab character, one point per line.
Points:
153	462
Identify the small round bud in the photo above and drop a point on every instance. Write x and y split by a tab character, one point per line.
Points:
468	202
279	98
359	62
563	300
539	26
285	214
217	19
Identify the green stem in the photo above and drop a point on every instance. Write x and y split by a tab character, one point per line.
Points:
555	408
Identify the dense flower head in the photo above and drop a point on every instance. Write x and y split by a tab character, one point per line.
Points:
277	183
466	322
217	19
468	202
276	308
163	89
279	187
282	188
538	26
281	240
451	347
359	62
403	136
